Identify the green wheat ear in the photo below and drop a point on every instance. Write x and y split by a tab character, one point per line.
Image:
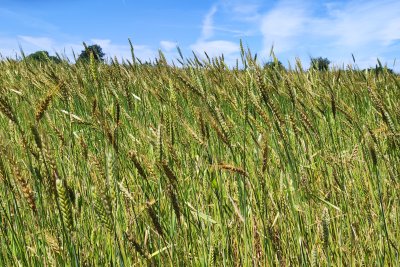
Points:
314	257
103	209
65	204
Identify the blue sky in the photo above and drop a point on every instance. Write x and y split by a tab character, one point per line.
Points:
297	29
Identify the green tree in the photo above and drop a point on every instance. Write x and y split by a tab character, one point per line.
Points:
95	49
277	65
42	56
319	63
379	69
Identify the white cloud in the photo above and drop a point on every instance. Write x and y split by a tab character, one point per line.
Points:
8	47
112	50
365	28
31	44
361	23
215	48
282	25
168	46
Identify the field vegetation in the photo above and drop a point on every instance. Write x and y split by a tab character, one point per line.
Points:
135	164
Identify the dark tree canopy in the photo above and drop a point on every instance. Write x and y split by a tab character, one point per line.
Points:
277	65
380	69
95	49
319	63
42	56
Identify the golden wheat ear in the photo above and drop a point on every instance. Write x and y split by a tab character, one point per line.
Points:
26	189
7	111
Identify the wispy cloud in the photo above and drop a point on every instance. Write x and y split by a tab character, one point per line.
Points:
213	48
27	20
44	43
334	30
245	9
242	11
362	23
208	27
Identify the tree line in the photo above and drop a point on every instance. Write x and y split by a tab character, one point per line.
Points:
316	63
43	56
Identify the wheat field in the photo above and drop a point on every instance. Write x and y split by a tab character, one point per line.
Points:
134	164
